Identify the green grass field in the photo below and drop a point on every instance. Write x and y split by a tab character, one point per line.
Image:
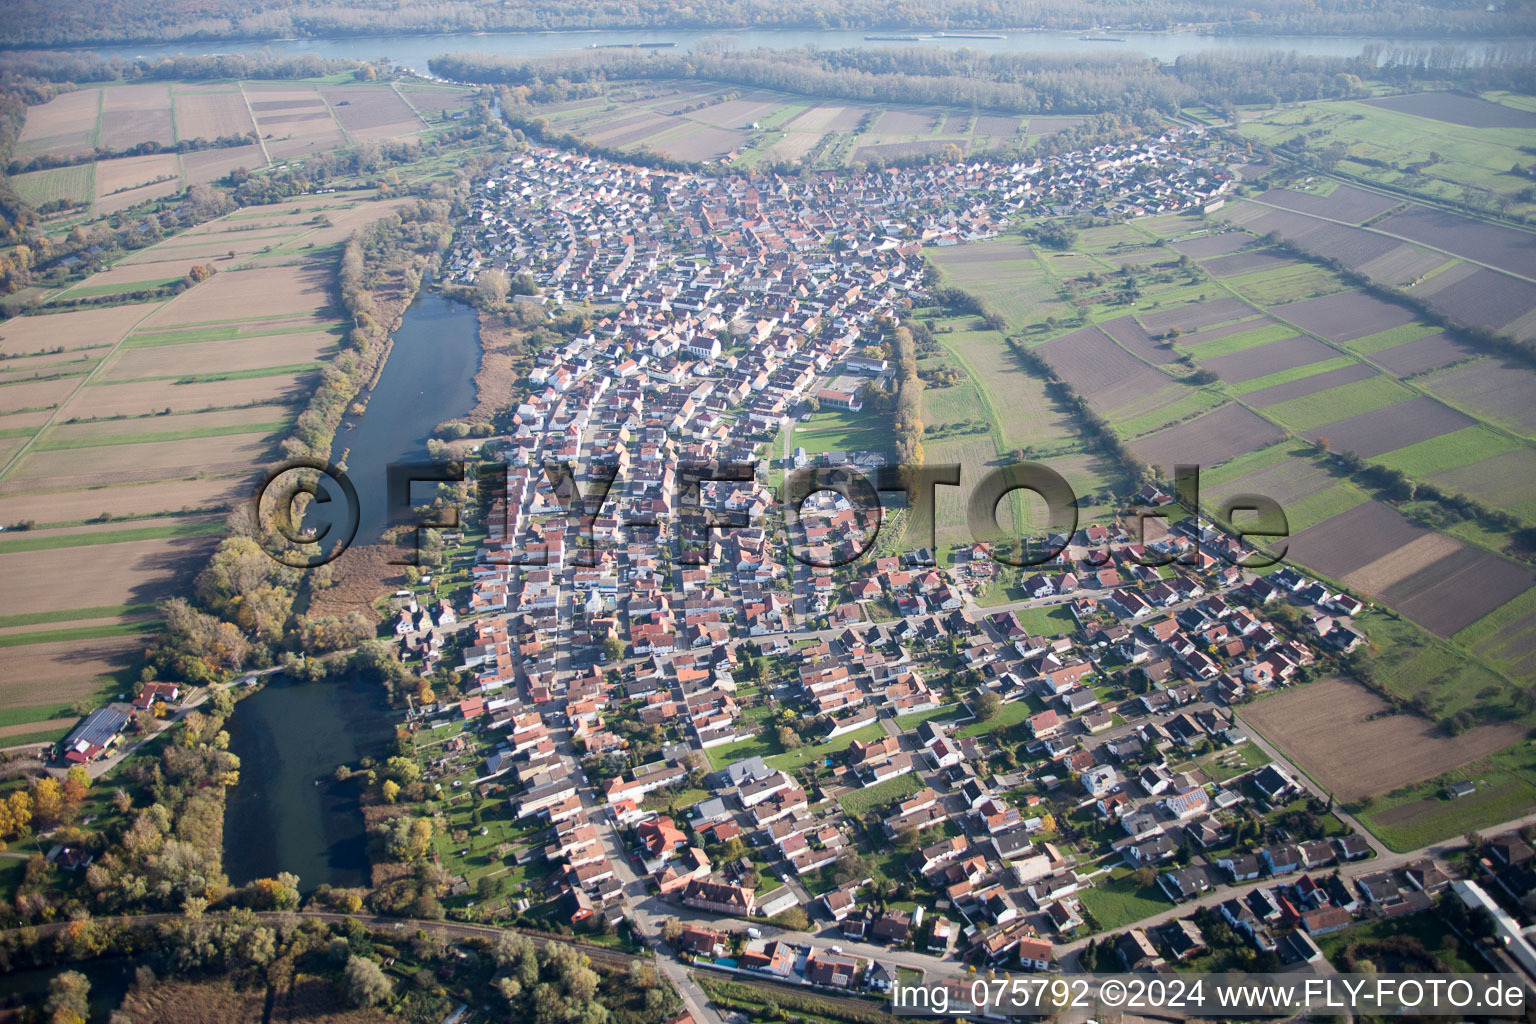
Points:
861	801
78	633
154	339
72	184
838	430
1448	451
766	745
208	378
1118	902
51	443
1411	662
102	611
1389	338
1294	373
1287	284
1007	715
1480	157
1418	815
1338	403
110	537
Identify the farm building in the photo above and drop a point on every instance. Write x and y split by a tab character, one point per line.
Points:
95	735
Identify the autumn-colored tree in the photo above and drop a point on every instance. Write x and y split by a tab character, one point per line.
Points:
68	999
16	814
391	790
48	799
77	784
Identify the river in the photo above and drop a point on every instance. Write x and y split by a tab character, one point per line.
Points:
428	378
414	51
288	813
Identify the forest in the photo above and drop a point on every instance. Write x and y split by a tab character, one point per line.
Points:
44	23
1008	82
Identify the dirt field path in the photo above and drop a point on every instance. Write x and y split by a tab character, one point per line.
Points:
259	137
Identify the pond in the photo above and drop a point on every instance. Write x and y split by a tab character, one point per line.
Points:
288	813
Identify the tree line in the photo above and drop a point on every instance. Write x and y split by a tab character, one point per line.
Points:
1020	83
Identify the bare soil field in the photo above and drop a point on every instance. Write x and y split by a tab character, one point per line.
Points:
1352	540
740	112
65	364
211	115
1503	481
126	463
67	670
432	98
1272	357
1354	247
1309	385
1131	335
129	572
126	275
1450	594
294	120
1484	298
74	329
1205	334
1207	440
1397	565
1287	482
134	399
243	294
1506	248
152	424
216	356
133	197
1050	125
1413	357
113	176
1401	265
1101	371
1343	203
907	122
823	119
996	124
1454	108
889	150
791	146
213	164
1292	226
1215	245
1392	427
127	500
1249	261
1198	315
297	145
371	111
699	143
1346	739
43	394
214	246
131	114
630	130
64	126
24	420
1497	389
1344	315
